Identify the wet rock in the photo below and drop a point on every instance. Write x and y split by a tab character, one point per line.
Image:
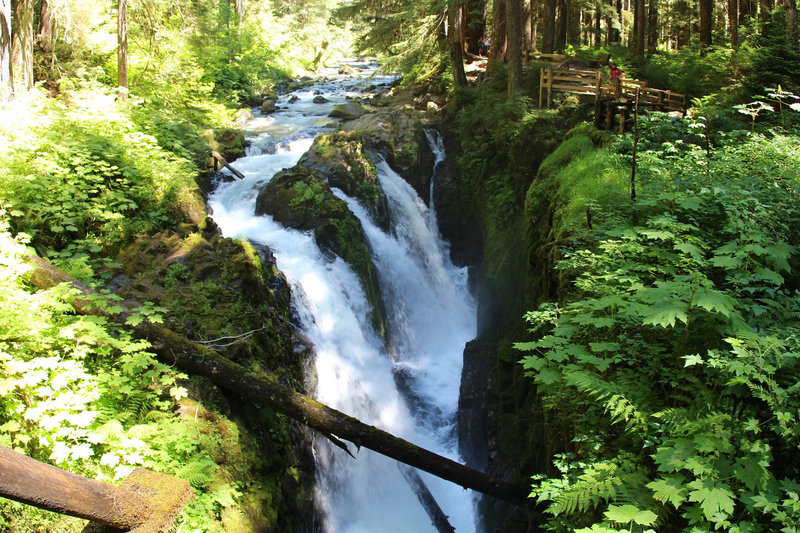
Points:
320	99
269	106
348	111
348	70
301	198
294	98
242	116
398	135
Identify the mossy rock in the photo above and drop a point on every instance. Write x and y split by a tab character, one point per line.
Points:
399	136
270	105
213	287
230	142
348	111
341	159
301	198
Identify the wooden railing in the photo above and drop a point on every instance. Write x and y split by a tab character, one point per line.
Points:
568	80
591	82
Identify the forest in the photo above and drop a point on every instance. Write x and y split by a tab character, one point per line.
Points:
636	364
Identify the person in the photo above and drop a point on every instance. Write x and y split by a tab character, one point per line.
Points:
615	76
483	46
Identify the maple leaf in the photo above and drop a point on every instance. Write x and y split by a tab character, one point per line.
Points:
712	497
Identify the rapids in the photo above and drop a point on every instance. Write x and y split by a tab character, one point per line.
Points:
409	385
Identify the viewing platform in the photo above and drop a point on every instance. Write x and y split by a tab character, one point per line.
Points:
609	100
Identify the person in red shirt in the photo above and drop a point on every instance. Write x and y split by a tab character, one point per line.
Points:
615	76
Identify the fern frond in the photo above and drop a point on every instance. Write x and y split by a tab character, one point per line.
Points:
198	472
615	397
598	483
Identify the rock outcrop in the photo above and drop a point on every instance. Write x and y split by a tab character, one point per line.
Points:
230	296
399	136
301	197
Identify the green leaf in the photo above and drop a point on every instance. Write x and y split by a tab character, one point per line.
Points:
134	320
548	376
691	360
604	346
713	497
729	262
669	489
625	514
673	457
533	362
668	316
750	471
714	301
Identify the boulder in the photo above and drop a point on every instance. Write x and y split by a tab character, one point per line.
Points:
320	99
348	70
348	111
340	159
398	135
242	116
269	106
294	98
300	198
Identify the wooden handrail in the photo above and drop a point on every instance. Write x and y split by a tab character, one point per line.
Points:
591	82
144	501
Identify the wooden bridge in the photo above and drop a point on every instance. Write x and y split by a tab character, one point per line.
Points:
607	98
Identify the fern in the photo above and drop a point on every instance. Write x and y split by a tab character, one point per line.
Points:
597	483
615	397
198	472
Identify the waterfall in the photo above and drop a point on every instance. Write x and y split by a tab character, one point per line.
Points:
407	385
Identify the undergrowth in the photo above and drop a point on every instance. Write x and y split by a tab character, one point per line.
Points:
672	356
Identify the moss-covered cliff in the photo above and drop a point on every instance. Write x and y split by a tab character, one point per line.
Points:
496	208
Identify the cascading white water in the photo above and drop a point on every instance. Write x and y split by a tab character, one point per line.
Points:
408	385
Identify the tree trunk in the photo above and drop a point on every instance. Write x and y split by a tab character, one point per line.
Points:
641	27
535	18
499	40
475	24
746	9
22	46
706	22
733	22
147	500
790	7
527	26
549	27
6	72
652	27
765	9
514	27
455	40
44	36
573	24
266	389
598	28
561	26
122	49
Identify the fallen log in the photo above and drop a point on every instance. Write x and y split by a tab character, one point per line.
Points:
145	502
425	497
218	157
264	388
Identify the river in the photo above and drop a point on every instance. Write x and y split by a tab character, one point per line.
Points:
408	386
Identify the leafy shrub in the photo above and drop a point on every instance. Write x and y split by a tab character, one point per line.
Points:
674	358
